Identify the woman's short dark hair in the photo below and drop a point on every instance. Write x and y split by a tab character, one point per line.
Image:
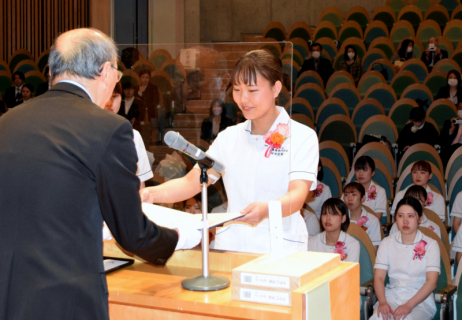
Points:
316	44
29	86
221	104
118	88
20	74
417	114
261	61
363	162
332	205
355	186
345	54
422	165
145	71
410	201
416	191
457	74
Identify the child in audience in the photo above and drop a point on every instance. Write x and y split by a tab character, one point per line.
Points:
456	212
317	196
412	261
334	239
421	174
354	195
419	193
311	220
376	197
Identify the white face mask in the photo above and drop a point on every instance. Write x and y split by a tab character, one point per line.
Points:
351	55
316	54
459	114
452	82
409	49
217	111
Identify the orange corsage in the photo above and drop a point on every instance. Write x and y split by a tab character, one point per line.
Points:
276	138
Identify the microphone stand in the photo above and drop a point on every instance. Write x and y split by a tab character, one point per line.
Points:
205	282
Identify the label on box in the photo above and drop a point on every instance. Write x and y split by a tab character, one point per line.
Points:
262	296
265	280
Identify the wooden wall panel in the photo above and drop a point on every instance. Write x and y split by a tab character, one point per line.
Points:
34	24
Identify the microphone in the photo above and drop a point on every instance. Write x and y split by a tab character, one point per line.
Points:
176	141
456	121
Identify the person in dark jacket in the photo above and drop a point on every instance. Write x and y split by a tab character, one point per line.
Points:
433	54
13	94
451	136
130	108
351	63
317	63
453	89
418	131
217	122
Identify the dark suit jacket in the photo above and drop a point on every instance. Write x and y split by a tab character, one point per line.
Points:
42	88
443	93
435	57
325	69
10	97
149	100
66	166
133	112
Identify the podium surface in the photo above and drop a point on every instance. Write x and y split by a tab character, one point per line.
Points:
146	291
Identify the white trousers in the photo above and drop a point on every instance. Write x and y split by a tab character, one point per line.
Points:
420	312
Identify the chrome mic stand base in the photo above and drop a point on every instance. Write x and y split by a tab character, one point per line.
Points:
209	283
205	282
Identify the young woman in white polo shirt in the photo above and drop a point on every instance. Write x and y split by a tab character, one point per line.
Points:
333	238
268	157
412	261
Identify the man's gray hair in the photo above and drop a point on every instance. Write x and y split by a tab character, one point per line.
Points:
84	56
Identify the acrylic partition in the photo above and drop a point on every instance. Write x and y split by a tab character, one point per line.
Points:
187	80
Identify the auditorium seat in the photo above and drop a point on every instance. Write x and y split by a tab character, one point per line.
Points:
290	53
385	67
397	5
4	66
332	15
433	216
300	106
457	56
300	47
5	81
348	93
331	177
25	66
300	29
312	93
325	29
379	152
290	67
368	79
35	78
402	80
450	5
329	48
162	80
339	128
453	31
371	56
457	13
441	110
121	66
385	14
338	77
412	14
335	152
175	70
422	151
401	30
423	5
158	57
454	164
435	81
399	113
275	30
384	44
309	76
301	118
42	60
271	45
445	44
417	67
143	64
330	107
360	15
17	57
439	14
284	96
446	65
428	29
365	109
418	91
375	29
384	94
350	29
380	126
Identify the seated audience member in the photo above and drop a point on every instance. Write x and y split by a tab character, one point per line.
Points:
43	87
404	53
433	54
412	262
193	205
317	196
419	193
456	213
312	222
144	171
354	195
27	93
457	245
450	137
351	63
317	63
417	131
453	89
421	173
216	122
333	238
149	95
130	108
376	197
13	94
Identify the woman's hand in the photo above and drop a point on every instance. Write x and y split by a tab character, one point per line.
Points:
147	195
254	213
142	89
402	311
385	310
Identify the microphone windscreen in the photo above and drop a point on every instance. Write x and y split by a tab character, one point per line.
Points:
170	137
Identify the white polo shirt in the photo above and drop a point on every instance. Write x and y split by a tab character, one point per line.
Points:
426	223
251	177
407	275
377	202
144	167
319	198
438	204
457	243
318	243
312	223
456	210
372	226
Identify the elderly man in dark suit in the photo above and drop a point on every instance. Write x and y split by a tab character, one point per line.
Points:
433	54
13	94
65	166
317	63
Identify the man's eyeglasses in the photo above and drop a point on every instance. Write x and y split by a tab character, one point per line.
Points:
119	73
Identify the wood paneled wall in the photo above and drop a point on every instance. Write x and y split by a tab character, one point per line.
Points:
34	24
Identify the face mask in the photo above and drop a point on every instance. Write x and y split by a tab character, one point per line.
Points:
351	55
459	114
453	82
409	49
316	54
217	111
